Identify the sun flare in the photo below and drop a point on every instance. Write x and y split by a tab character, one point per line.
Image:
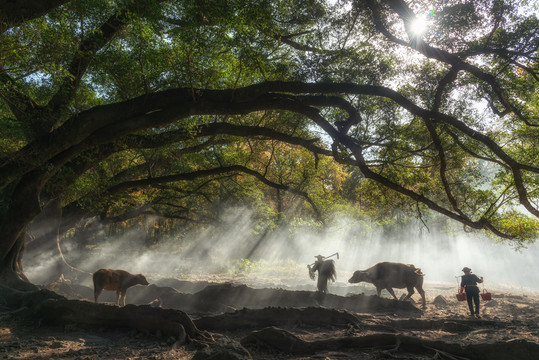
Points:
418	26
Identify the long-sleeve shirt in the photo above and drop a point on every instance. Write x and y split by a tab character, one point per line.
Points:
470	279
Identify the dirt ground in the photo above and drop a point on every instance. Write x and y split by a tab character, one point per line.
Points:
509	320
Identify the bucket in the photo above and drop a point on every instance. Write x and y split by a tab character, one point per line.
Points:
485	296
462	296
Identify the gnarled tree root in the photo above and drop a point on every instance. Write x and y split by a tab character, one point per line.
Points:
227	297
273	316
166	322
286	342
212	298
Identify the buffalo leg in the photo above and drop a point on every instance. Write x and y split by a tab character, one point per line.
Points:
410	293
122	298
379	291
392	292
422	293
118	297
97	292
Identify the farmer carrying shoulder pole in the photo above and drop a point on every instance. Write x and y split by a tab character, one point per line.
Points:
326	271
469	285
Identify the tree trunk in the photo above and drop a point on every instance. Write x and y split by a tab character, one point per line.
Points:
23	207
11	269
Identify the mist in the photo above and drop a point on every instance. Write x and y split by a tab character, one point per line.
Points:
278	257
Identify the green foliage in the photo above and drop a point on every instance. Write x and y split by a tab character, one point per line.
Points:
215	44
12	136
243	266
524	228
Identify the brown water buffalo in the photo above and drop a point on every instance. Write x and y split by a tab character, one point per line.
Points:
118	280
389	275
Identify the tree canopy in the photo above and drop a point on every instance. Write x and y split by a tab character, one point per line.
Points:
119	108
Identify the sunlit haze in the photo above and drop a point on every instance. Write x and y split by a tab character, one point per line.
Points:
279	258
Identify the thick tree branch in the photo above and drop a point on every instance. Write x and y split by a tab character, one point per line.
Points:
20	104
148	141
88	47
443	167
449	78
361	163
88	159
145	209
210	172
287	39
351	144
473	153
168	106
73	169
17	12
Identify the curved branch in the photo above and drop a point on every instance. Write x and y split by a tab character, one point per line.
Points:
89	158
449	78
19	103
73	169
407	15
354	117
473	153
210	172
167	106
443	167
368	173
17	12
88	47
362	164
148	141
287	39
515	166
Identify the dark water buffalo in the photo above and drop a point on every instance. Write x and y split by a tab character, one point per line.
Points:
389	275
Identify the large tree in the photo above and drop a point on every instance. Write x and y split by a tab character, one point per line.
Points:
103	97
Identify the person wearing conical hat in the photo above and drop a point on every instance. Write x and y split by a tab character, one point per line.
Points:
469	285
326	271
316	266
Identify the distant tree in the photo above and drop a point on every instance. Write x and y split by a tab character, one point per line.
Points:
108	106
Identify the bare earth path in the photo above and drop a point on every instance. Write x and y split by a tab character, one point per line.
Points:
240	322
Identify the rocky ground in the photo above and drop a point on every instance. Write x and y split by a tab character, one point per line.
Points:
240	322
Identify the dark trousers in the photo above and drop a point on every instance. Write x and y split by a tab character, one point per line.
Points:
472	294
